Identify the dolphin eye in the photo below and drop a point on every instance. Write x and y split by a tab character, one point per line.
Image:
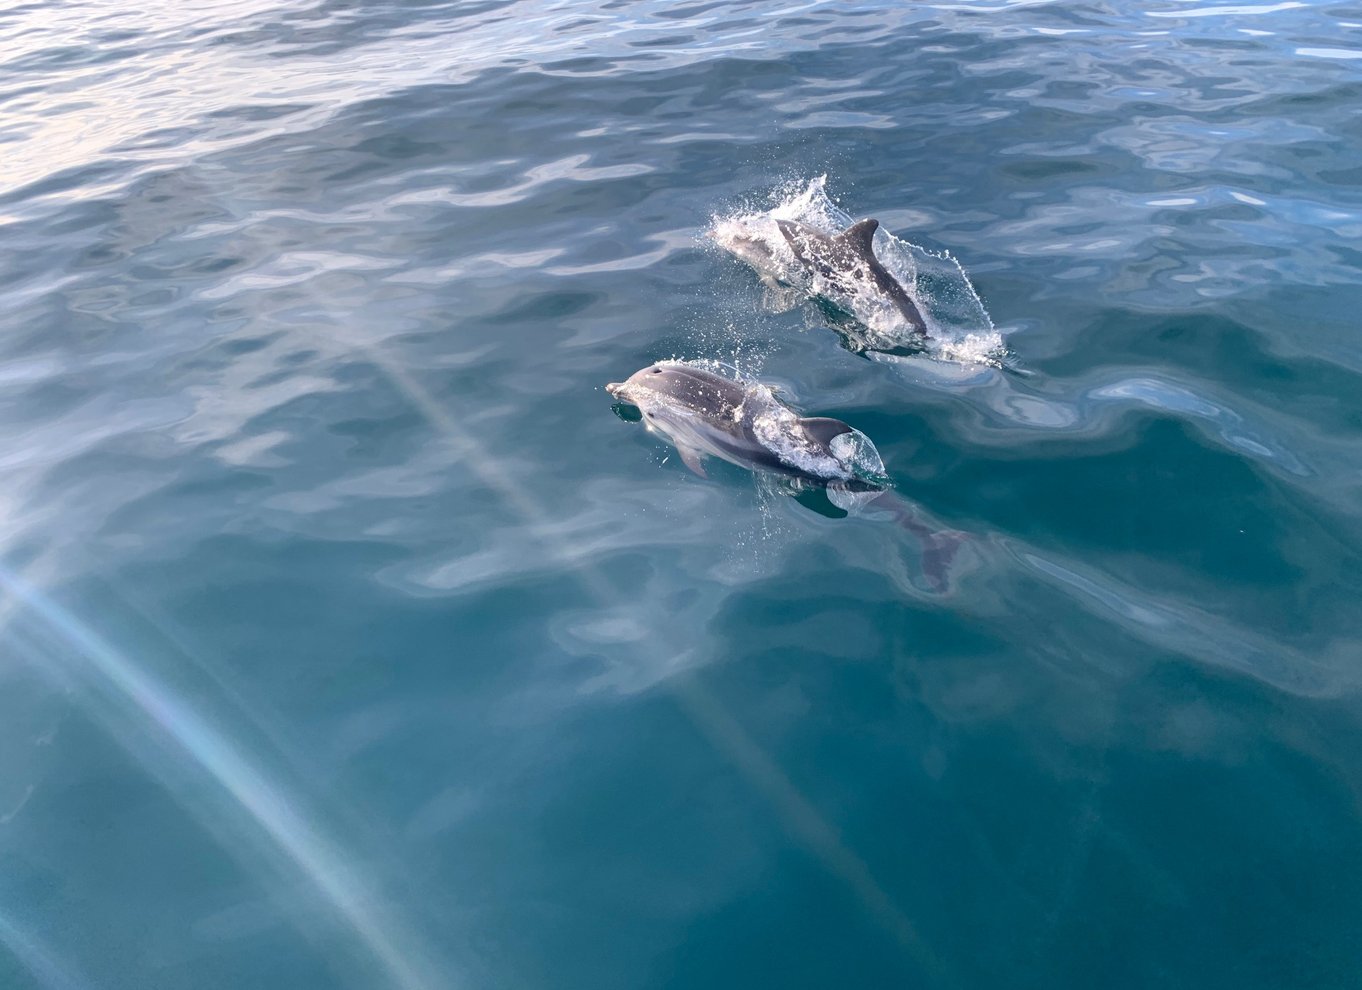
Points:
657	371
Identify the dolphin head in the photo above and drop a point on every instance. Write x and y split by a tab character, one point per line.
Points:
752	239
674	384
639	386
643	391
650	379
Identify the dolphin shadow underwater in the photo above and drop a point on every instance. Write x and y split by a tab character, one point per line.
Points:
828	466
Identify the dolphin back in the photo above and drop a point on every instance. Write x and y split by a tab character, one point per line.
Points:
860	237
838	256
696	388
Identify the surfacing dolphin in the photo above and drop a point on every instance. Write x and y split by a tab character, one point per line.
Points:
840	267
701	412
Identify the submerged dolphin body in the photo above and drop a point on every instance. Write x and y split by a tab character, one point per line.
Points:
701	412
841	267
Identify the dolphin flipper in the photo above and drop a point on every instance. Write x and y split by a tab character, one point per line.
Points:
691	458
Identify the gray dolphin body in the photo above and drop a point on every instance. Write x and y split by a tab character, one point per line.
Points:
701	412
844	263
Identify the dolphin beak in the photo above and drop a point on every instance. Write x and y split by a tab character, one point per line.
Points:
614	388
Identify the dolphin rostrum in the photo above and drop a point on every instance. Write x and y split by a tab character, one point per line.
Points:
701	412
841	267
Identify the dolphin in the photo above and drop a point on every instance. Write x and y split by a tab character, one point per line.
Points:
701	412
842	266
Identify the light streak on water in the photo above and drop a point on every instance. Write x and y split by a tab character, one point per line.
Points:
275	812
39	960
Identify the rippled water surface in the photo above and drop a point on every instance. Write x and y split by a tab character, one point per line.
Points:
351	641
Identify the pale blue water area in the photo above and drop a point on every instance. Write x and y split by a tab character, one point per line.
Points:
348	639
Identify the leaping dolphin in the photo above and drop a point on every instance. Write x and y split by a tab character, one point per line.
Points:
841	267
701	412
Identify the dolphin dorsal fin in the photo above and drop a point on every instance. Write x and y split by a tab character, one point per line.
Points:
823	428
861	235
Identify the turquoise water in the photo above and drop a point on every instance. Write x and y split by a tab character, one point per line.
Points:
348	639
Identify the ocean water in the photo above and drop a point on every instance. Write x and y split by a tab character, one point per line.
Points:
349	639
